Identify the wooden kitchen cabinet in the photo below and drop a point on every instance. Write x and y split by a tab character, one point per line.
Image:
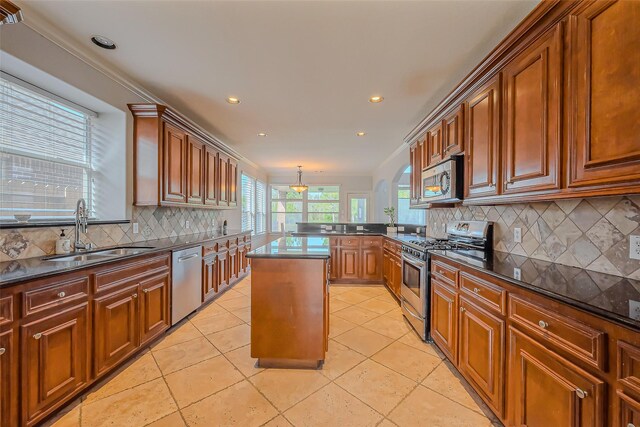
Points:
434	144
174	152
604	144
334	263
349	263
392	266
629	410
8	386
481	351
482	113
211	170
233	182
155	316
195	171
453	133
550	390
224	194
54	360
532	117
371	265
210	276
116	327
444	319
415	161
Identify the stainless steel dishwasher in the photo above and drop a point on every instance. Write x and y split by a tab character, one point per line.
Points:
186	287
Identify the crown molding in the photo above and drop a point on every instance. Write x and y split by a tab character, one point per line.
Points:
46	29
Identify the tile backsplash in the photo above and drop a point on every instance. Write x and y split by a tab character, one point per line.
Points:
590	233
153	223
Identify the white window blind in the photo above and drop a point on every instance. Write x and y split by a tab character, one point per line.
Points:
248	202
45	153
261	207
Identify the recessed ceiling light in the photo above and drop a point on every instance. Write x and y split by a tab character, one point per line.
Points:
376	99
103	42
233	100
360	133
262	134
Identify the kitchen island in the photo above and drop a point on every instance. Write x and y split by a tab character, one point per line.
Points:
290	302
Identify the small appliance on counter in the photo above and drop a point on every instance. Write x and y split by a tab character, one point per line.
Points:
474	238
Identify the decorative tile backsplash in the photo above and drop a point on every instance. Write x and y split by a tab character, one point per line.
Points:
153	223
589	233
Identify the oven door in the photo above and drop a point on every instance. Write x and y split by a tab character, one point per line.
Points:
414	284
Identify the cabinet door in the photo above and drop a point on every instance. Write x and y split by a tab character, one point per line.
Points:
116	328
8	386
550	391
482	117
386	267
371	264
223	180
233	264
349	263
154	307
211	170
604	140
434	144
444	319
453	133
397	275
174	184
210	277
55	360
482	352
195	171
413	153
223	270
334	267
629	410
532	109
233	182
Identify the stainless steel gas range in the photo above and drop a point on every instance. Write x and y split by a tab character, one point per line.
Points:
473	239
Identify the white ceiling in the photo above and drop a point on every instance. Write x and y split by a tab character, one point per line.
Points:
303	70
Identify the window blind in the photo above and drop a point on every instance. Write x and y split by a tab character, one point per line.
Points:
248	202
45	153
261	207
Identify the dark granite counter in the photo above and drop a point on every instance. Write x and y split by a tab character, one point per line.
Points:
612	297
12	272
301	247
399	237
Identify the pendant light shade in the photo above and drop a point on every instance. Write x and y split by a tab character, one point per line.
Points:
299	186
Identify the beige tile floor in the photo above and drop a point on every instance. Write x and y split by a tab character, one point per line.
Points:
377	372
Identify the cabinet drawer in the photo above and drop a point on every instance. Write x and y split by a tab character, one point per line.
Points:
371	241
353	242
629	366
209	249
121	274
445	272
570	336
42	299
493	296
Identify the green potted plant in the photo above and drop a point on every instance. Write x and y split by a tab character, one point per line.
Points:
391	213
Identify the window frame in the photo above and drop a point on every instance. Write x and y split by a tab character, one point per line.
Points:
253	212
305	201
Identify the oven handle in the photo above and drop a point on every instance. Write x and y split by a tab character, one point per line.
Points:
406	305
413	260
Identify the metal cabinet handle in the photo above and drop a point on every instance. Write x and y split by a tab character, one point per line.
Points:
492	185
146	291
631	425
462	309
62	294
2	351
37	336
543	324
134	296
581	393
476	290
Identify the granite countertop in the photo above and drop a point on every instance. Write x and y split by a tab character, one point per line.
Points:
302	247
400	237
12	272
613	297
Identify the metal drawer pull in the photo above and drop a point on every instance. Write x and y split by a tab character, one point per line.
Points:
62	294
37	336
2	351
462	309
184	258
631	425
543	324
146	291
134	296
581	393
476	290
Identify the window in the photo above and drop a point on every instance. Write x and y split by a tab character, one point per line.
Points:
45	153
405	214
253	205
323	204
320	203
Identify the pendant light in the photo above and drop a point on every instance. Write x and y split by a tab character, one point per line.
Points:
299	186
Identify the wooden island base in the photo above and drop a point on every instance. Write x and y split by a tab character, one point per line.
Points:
289	311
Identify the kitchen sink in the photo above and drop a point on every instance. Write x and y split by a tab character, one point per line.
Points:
123	251
79	258
101	255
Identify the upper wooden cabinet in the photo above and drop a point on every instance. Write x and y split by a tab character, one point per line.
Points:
532	116
453	132
434	145
604	139
176	164
482	140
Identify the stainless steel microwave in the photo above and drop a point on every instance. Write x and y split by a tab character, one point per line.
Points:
442	183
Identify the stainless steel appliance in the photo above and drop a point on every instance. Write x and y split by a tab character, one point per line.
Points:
186	286
469	239
442	183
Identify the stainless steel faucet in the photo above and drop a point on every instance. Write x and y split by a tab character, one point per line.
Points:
82	216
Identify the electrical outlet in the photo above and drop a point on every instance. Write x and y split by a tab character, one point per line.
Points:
359	228
135	228
400	228
517	273
517	235
328	227
186	224
634	309
444	227
634	247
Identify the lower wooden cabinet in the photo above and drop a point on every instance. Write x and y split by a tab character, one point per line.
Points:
8	365
356	259
334	267
444	319
210	276
550	390
629	410
481	353
371	265
155	316
392	267
349	263
54	359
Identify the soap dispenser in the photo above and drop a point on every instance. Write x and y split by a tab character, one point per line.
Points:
63	244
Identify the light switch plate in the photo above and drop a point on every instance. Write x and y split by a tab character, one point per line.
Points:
135	228
634	247
517	235
634	309
517	273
